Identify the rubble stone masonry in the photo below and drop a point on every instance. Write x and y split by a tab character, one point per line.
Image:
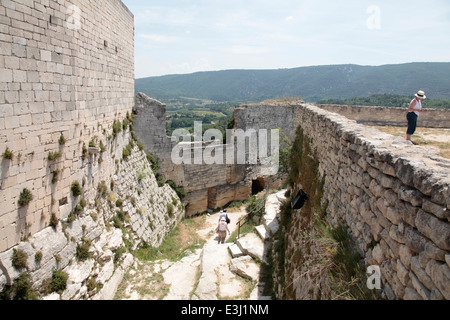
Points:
393	196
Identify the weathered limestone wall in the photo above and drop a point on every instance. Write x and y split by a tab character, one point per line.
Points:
207	186
384	116
57	77
393	196
67	90
146	217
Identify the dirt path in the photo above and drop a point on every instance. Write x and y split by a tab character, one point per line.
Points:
201	275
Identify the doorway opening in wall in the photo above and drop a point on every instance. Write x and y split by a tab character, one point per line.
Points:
258	185
212	198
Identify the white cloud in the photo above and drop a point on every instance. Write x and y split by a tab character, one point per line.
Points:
248	49
201	64
289	19
159	38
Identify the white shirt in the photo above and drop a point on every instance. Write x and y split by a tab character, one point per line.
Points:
417	106
223	226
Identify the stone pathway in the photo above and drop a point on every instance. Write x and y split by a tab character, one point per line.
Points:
226	271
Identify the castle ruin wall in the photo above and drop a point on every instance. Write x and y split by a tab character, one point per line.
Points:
393	196
66	102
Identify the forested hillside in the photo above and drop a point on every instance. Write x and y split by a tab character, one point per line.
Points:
310	83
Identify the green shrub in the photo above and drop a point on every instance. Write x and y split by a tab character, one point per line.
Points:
84	151
102	146
56	176
8	154
92	144
38	257
92	284
153	162
170	209
59	281
76	189
102	189
83	253
255	207
71	218
117	128
160	180
181	192
83	203
52	156
19	259
127	151
53	221
125	124
25	197
21	289
62	140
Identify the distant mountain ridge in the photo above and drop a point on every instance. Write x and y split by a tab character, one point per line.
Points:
311	83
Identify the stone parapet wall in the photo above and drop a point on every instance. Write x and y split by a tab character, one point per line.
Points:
393	196
383	116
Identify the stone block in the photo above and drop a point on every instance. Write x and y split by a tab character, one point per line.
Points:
245	267
6	75
414	240
439	211
440	275
420	273
433	228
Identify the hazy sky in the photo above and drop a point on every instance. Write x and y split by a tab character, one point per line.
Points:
185	36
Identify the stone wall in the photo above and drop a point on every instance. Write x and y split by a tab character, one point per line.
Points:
207	186
393	196
384	116
58	78
66	99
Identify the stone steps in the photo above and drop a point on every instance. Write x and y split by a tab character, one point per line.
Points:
244	258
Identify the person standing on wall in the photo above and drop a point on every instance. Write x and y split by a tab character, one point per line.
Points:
414	111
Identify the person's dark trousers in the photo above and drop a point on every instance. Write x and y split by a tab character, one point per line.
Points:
412	123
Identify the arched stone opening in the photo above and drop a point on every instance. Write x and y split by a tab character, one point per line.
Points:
258	185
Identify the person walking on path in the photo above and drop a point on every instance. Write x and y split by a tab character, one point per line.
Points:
224	214
414	111
222	229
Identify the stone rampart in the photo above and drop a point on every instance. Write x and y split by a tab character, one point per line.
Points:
208	186
393	196
63	73
75	185
384	116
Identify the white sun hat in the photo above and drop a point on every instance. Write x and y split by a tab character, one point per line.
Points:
421	95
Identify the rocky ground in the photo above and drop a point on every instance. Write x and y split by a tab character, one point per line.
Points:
215	272
437	140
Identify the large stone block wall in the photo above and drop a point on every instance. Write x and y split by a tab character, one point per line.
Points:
60	79
207	186
146	216
66	68
393	196
383	116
